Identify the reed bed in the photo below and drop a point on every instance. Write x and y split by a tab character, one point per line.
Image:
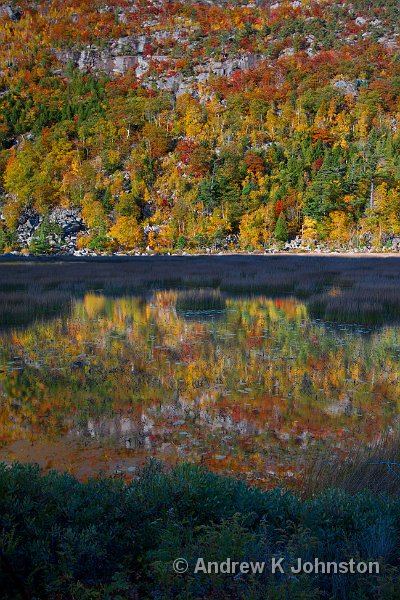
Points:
348	289
374	467
200	300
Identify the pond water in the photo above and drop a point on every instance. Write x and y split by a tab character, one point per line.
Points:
243	385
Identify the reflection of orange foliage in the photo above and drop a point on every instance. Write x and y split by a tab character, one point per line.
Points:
181	387
317	363
289	306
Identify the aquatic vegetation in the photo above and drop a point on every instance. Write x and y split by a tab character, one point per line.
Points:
200	300
352	290
374	466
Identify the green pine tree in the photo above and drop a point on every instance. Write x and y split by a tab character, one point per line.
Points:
281	231
41	241
2	240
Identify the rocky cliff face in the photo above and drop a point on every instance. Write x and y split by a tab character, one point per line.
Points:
117	57
156	50
68	224
124	54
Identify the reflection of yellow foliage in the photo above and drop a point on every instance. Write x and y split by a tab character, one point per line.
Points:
266	356
94	304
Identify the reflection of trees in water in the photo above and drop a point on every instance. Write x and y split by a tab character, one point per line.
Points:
125	431
139	373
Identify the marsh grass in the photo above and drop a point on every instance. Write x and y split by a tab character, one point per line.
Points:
195	300
18	308
363	290
374	467
369	301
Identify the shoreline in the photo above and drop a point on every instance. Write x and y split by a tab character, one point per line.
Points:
28	258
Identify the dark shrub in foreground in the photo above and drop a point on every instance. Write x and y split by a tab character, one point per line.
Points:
61	539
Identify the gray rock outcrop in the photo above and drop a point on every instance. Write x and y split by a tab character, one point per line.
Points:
68	224
13	12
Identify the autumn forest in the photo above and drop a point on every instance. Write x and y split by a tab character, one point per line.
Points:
199	299
186	126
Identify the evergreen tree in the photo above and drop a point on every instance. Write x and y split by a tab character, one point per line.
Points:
45	233
2	240
40	243
324	194
281	231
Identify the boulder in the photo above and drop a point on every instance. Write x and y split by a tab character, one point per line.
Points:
27	225
345	87
396	243
13	12
69	219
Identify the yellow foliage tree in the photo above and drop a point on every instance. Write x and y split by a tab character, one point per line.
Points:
387	207
339	227
93	212
310	230
127	232
256	227
217	221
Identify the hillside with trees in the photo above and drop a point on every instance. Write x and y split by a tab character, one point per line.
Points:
199	125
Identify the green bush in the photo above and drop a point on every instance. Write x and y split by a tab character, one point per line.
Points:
100	243
181	242
103	539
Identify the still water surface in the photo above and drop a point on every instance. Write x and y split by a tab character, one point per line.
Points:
249	386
